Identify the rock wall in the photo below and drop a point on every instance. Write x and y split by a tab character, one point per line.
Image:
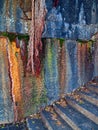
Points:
15	16
6	105
67	64
75	19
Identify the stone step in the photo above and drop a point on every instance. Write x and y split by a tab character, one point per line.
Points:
93	84
93	88
84	107
66	118
55	121
74	118
35	124
88	92
21	126
90	97
46	122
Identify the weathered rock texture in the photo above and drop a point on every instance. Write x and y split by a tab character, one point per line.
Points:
75	19
16	79
6	105
35	43
66	64
15	15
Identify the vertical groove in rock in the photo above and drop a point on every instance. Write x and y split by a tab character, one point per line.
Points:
35	43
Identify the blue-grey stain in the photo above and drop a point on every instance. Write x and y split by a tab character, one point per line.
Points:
71	47
51	71
18	23
77	16
1	6
11	17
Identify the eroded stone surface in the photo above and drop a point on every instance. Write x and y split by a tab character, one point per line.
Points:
75	19
6	106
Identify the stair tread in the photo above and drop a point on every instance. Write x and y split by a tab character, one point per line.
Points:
86	105
36	124
93	88
89	93
14	127
89	96
55	121
93	84
79	119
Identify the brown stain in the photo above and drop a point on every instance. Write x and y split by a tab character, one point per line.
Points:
27	93
62	68
35	43
23	5
14	5
7	8
81	55
33	86
40	86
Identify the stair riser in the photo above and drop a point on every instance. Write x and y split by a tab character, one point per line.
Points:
93	89
83	111
89	99
67	119
45	121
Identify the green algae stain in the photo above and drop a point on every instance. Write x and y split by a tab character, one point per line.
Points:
49	56
90	45
61	42
90	50
13	36
39	94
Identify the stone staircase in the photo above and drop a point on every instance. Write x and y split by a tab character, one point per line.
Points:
75	111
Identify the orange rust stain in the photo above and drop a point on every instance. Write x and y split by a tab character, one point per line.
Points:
14	54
